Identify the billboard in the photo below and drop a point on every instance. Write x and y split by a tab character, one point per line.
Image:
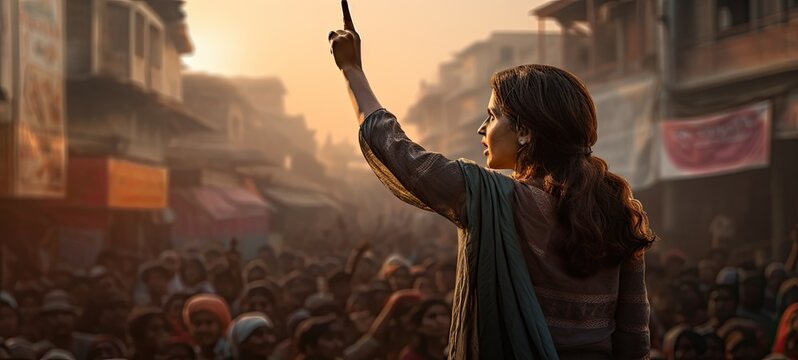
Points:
40	157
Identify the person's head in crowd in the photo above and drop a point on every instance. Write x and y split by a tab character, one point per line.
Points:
256	270
192	271
313	270
127	263
722	304
674	262
102	280
445	273
58	354
296	288
266	254
396	271
426	286
61	277
252	336
107	258
707	271
430	319
366	269
729	275
111	312
759	340
788	323
106	347
176	348
21	348
752	290
741	346
29	302
171	260
339	284
214	257
715	348
775	275
319	338
331	264
147	330
226	283
173	311
289	261
258	297
81	290
689	298
359	310
321	305
207	317
155	277
682	343
58	317
9	316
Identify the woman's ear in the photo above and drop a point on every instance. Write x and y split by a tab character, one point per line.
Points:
524	135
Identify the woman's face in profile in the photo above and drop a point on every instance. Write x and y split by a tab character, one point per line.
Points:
499	138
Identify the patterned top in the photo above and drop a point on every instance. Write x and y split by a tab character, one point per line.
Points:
602	316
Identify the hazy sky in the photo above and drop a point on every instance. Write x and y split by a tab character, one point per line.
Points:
403	43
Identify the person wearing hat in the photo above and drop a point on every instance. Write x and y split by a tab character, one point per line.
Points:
258	297
319	338
9	316
207	317
155	277
252	336
59	318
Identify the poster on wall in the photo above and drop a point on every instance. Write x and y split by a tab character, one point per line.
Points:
41	143
715	144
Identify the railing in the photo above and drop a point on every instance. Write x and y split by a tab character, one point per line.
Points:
764	44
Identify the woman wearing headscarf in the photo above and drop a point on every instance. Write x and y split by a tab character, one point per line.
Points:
207	317
550	259
252	336
787	323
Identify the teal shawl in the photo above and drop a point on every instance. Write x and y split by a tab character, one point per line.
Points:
495	313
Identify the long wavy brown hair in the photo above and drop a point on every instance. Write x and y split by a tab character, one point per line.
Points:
604	225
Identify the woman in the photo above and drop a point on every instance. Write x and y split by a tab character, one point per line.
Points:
252	336
194	276
431	321
207	317
682	343
147	330
562	222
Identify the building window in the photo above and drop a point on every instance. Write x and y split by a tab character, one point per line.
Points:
140	35
733	15
156	47
118	26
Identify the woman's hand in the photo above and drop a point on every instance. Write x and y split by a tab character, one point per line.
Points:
345	44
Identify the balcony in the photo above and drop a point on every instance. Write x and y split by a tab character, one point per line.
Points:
738	53
123	40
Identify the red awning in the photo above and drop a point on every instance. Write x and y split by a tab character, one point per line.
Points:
207	211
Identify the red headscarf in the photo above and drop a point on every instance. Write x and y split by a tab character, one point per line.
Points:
206	302
785	325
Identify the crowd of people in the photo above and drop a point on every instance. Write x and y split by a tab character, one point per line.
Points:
210	302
